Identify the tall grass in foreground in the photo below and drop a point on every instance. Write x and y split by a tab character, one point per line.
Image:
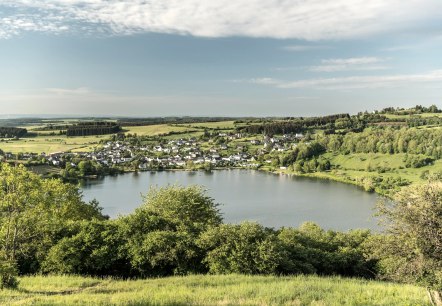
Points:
211	290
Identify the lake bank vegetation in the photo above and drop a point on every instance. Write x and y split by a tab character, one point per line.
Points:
46	228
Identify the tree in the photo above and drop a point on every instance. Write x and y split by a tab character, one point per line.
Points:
162	233
94	248
413	249
34	213
246	248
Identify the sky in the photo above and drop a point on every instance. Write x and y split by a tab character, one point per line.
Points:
148	58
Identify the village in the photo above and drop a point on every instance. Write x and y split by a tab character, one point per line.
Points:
221	151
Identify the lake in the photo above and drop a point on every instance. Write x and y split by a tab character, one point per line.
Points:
270	199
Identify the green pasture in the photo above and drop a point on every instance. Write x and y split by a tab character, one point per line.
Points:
211	290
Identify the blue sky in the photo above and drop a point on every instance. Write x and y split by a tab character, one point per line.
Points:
218	58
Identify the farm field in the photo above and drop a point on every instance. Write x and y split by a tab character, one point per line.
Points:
423	115
225	125
51	144
153	130
211	290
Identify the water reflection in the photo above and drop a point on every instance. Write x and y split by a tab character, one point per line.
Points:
272	200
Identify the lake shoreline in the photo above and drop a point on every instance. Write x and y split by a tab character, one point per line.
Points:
274	200
275	172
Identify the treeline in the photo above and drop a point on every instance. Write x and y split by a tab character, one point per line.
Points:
296	125
45	227
93	128
387	140
169	120
53	127
9	132
418	109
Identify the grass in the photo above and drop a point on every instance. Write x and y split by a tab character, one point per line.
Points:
224	125
352	168
211	290
62	143
44	169
423	115
51	144
355	165
153	130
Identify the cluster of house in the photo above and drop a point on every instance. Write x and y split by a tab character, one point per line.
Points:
175	153
172	154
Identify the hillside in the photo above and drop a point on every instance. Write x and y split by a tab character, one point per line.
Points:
212	290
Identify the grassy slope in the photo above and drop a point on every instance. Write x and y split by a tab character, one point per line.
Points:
211	290
355	166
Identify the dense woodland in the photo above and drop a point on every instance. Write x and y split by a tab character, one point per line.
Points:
93	128
295	125
46	227
11	132
169	120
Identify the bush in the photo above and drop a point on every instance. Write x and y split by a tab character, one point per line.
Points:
247	248
8	275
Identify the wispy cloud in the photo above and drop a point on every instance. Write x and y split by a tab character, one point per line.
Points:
350	64
68	91
356	82
302	48
304	19
14	25
264	81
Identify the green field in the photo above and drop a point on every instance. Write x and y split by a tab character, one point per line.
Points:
211	290
62	143
51	144
225	125
357	164
423	115
353	168
153	130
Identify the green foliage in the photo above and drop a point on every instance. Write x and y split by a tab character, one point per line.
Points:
412	251
248	248
34	213
162	233
417	161
388	141
8	274
94	248
311	249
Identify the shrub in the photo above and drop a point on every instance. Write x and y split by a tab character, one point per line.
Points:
8	275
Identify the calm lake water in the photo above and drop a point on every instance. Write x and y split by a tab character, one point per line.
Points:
272	200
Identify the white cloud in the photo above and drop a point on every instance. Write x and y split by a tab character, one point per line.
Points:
350	64
352	61
358	82
14	25
302	48
264	81
302	19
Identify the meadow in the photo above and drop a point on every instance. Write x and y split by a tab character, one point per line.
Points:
46	143
211	290
51	144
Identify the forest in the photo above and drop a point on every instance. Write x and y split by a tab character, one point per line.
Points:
11	132
93	128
